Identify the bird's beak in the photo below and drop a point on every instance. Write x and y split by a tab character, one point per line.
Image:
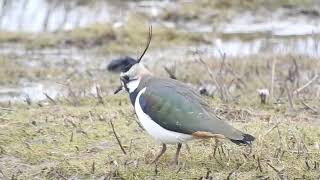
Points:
119	88
125	79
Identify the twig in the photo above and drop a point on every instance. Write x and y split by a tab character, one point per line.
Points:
279	173
259	165
208	69
291	108
298	152
309	107
280	141
307	164
223	56
61	176
171	72
216	146
212	77
93	167
208	174
233	171
7	109
116	136
293	73
50	99
99	96
306	85
71	137
75	100
224	92
272	76
276	125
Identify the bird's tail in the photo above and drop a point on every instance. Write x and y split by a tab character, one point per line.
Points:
246	140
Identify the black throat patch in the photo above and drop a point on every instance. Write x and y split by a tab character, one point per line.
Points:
133	96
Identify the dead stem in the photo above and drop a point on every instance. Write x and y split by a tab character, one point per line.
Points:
50	99
99	96
274	61
306	85
289	94
117	138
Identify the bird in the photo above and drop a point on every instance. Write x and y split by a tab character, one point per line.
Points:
172	112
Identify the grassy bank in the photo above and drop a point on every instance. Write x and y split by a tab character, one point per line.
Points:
105	38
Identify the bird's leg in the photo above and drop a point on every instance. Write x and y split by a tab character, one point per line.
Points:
163	150
176	158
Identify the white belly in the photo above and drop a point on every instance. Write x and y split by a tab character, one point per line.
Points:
156	131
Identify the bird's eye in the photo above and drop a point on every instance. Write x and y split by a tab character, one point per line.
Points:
126	78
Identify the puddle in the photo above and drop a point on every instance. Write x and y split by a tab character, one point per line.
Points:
35	91
236	47
45	15
278	23
52	15
300	46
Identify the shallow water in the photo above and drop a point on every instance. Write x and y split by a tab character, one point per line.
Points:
282	22
34	91
282	31
42	15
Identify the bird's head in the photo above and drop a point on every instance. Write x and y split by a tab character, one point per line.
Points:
130	79
131	74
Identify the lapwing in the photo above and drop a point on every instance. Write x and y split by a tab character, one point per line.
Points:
171	111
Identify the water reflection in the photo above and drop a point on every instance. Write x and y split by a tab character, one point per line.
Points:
294	45
50	15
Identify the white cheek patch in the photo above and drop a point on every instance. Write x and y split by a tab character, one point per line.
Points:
133	85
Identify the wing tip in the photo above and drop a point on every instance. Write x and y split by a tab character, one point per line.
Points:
246	140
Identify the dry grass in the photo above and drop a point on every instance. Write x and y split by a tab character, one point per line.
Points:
63	141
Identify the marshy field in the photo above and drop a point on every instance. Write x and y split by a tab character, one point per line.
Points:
59	118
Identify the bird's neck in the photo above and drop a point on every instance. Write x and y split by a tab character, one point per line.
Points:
133	85
143	80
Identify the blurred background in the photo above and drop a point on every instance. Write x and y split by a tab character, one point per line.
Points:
52	46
